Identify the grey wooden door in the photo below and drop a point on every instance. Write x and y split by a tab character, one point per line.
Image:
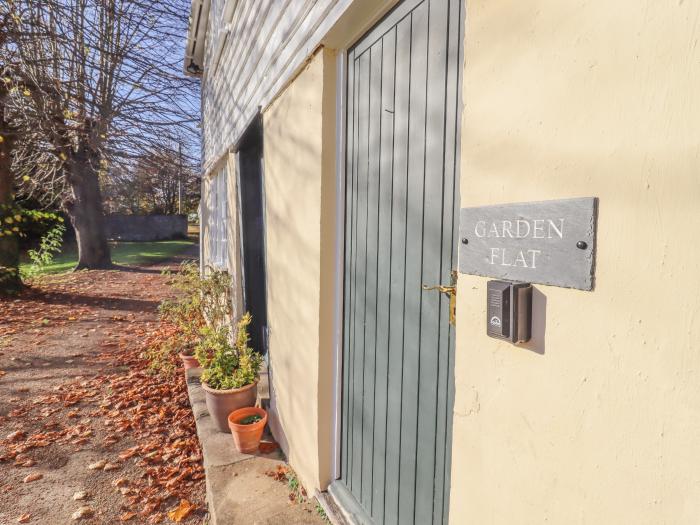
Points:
403	95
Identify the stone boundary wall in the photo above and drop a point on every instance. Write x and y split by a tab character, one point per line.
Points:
146	227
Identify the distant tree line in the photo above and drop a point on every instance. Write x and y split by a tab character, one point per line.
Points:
161	182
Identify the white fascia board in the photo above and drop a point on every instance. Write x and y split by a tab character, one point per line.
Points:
196	35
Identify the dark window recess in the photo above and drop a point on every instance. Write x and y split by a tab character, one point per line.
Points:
250	187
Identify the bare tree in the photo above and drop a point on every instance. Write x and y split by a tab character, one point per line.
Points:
100	86
9	249
162	181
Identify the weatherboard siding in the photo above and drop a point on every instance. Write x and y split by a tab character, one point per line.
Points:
268	41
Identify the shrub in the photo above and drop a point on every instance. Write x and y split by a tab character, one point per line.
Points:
200	303
50	245
228	365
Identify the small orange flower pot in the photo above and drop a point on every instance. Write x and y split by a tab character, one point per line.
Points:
189	361
247	437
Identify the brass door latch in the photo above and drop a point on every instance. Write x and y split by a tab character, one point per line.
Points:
448	290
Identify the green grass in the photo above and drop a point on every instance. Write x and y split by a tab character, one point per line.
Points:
123	253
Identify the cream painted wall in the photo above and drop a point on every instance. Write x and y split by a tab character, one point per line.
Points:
299	179
600	421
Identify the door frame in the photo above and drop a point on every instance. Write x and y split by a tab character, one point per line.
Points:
339	258
339	281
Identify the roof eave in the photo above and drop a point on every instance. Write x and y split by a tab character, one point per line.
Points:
193	64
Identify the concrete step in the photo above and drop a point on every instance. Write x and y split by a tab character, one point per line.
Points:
238	489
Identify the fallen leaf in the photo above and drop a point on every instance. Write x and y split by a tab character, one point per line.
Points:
279	474
120	482
150	508
98	465
24	518
32	477
266	447
156	518
128	453
28	463
182	511
15	436
127	516
80	495
82	512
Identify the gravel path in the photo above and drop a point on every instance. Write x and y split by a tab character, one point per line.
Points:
86	434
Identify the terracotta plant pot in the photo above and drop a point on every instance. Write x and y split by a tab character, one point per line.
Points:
189	361
247	437
220	403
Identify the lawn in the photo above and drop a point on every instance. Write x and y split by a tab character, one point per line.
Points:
122	253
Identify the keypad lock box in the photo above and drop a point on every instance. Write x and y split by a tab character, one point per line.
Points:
509	311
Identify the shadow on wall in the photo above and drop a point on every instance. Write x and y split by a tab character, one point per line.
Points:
539	323
276	426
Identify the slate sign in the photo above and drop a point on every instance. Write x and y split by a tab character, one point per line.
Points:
546	242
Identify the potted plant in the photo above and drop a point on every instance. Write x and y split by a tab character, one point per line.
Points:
230	375
247	425
189	360
201	301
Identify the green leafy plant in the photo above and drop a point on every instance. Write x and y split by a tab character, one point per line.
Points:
321	512
249	420
162	353
201	304
227	365
15	220
201	301
297	492
49	245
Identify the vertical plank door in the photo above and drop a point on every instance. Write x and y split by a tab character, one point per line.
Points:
403	92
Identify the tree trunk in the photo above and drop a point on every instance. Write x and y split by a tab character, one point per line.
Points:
10	281
86	213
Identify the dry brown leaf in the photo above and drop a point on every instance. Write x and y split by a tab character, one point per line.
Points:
82	512
120	482
24	518
127	516
266	447
149	508
15	436
97	465
279	474
128	453
182	511
158	517
32	477
80	495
